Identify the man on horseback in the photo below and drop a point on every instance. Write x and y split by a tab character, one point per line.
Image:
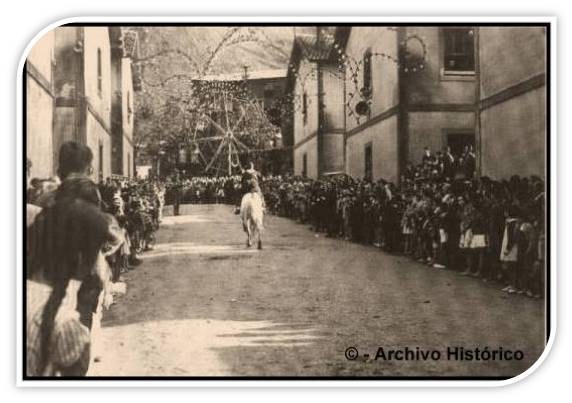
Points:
249	183
252	206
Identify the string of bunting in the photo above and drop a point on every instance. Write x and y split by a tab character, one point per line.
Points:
198	97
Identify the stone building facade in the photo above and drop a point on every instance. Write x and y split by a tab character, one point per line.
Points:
318	118
420	95
75	64
40	100
122	109
512	100
408	88
372	140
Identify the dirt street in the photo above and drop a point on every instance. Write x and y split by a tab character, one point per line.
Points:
201	304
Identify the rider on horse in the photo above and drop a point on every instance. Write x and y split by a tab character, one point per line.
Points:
249	183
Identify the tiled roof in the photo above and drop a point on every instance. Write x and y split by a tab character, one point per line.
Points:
307	47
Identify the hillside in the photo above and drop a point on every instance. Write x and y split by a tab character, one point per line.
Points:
194	50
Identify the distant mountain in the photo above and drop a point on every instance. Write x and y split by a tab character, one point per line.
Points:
213	50
169	57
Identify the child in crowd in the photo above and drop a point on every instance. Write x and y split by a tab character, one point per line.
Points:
509	251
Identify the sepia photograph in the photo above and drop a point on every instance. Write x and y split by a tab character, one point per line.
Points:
286	201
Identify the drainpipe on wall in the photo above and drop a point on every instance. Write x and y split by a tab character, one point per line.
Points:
402	117
320	119
478	140
80	100
345	137
54	106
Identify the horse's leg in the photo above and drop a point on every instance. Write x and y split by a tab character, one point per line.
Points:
259	232
249	233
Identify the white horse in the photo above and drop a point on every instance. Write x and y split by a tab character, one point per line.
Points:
252	214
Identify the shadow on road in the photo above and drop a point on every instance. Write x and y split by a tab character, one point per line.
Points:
203	304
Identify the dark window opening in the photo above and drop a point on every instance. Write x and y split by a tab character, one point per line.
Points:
367	74
305	165
459	49
368	160
129	110
268	90
99	73
100	163
305	107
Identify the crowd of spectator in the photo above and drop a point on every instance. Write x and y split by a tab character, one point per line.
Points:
80	236
137	206
203	189
440	215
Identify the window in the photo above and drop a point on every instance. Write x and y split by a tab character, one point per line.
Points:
128	164
268	90
368	161
99	73
129	110
100	163
367	74
305	107
459	55
305	165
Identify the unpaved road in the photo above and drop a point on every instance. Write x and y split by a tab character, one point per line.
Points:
201	304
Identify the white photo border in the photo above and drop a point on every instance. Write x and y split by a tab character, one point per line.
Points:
260	382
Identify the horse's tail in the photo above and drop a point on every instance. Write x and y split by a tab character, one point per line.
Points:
257	211
251	209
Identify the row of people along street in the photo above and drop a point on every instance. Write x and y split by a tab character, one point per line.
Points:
82	236
440	215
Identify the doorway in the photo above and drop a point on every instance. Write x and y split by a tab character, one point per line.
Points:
458	141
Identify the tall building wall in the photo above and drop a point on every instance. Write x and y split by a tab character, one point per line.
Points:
436	130
97	84
310	150
379	128
489	92
39	129
332	121
333	97
513	136
383	138
68	87
509	55
306	130
332	153
99	141
441	102
65	128
40	107
306	84
96	41
385	82
434	84
72	106
513	101
128	116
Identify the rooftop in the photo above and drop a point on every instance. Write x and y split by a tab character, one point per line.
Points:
252	75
